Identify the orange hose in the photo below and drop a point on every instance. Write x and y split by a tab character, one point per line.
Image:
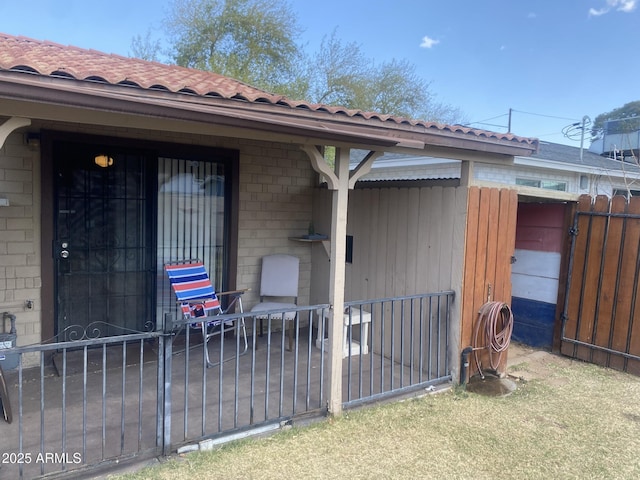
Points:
495	319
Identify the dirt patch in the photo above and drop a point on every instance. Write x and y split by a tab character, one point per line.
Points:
526	363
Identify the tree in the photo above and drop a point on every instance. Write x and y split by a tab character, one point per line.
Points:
146	48
628	114
254	41
340	74
242	39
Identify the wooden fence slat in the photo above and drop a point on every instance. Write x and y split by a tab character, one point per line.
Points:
632	336
468	315
506	243
591	277
510	236
569	215
575	287
624	297
633	339
480	285
491	273
608	281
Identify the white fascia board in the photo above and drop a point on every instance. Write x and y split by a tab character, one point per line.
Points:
573	167
412	162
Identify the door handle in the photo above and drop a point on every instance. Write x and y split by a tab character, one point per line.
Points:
62	249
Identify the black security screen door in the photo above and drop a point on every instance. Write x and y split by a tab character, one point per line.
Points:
104	247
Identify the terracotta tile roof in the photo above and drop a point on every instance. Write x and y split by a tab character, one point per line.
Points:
51	59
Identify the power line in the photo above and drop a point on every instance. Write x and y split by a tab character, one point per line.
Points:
510	114
486	124
511	111
548	134
488	119
547	116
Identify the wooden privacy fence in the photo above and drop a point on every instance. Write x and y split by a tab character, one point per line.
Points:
601	307
489	248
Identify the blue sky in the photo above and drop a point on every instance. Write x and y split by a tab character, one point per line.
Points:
551	61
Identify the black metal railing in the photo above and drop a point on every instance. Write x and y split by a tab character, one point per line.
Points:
93	401
83	403
266	385
407	349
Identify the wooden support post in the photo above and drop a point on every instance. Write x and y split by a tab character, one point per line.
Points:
340	181
337	279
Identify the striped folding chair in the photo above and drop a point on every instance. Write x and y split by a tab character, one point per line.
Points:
198	300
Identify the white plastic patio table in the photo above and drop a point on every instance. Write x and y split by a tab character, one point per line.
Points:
358	317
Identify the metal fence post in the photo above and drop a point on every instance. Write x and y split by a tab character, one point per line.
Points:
165	350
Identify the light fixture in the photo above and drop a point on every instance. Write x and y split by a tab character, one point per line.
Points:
103	161
33	141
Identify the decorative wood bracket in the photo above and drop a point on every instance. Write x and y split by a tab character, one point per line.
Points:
363	168
10	125
322	167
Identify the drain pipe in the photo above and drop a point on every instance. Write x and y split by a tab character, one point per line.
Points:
465	365
8	361
12	320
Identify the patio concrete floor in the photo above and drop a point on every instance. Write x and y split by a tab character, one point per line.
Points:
257	388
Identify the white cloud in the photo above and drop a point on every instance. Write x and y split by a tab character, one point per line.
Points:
596	13
428	42
625	6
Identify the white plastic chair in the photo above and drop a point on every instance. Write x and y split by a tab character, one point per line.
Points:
278	283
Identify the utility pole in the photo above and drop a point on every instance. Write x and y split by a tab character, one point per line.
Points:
584	126
509	126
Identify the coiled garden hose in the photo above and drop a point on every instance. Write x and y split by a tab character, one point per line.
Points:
495	320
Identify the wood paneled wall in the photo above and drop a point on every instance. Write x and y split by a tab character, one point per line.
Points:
405	240
428	239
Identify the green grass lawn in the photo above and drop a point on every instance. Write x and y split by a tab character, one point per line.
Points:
579	421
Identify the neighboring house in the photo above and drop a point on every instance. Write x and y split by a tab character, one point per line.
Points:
111	166
556	171
619	139
545	182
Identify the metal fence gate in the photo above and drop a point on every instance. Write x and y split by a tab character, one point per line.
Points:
91	402
84	402
601	308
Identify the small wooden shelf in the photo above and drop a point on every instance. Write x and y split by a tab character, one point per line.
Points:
326	243
307	239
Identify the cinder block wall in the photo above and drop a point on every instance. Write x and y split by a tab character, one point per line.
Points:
20	278
276	184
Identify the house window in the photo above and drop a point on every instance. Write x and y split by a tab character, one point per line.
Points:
546	184
626	193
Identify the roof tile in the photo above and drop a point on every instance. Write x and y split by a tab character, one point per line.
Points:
51	59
